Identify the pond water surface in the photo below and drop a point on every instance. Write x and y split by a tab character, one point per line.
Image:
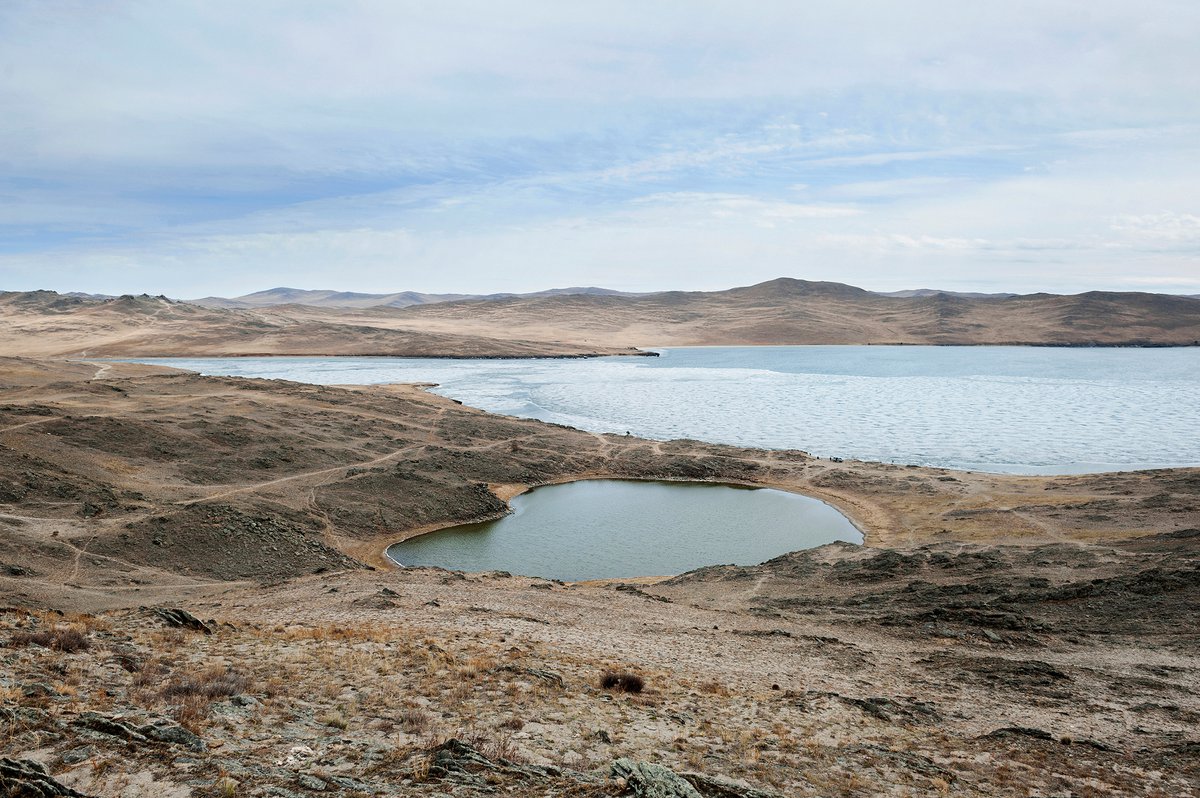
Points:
605	529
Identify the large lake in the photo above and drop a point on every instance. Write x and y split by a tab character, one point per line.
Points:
606	529
1005	409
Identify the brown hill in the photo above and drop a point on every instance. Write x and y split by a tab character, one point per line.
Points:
787	311
47	324
783	311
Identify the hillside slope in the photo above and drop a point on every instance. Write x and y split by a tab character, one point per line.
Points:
47	324
787	311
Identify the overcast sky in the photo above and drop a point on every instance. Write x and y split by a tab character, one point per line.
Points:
212	147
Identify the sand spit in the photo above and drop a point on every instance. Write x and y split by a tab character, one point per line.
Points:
997	636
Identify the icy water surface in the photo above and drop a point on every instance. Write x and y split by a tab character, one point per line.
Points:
605	529
1006	409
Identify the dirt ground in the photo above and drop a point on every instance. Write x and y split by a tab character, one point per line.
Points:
996	635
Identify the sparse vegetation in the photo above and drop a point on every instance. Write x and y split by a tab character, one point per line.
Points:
211	683
67	639
888	681
622	681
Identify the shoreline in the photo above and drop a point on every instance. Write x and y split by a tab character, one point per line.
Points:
330	460
507	492
1073	469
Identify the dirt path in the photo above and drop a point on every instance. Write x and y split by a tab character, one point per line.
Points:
29	424
294	477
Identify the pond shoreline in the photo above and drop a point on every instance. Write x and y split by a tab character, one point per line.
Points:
584	530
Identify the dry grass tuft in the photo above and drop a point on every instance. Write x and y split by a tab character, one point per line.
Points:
335	719
216	682
415	720
622	681
67	639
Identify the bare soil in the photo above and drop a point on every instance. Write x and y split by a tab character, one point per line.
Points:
996	636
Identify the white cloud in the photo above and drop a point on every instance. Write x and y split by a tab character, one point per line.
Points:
371	144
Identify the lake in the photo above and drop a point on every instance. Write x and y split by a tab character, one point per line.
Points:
1002	409
601	529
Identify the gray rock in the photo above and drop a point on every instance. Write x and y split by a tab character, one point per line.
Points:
182	618
648	780
112	727
455	761
715	787
550	677
346	783
159	731
19	718
172	734
77	755
25	778
309	782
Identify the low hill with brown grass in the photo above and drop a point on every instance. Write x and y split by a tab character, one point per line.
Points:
787	311
784	311
48	324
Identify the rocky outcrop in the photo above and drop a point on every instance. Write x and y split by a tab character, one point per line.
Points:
26	778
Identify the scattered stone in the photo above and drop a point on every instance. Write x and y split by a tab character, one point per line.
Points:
1018	731
297	755
909	761
648	780
637	591
457	761
160	731
537	673
309	782
716	787
163	731
77	755
112	727
182	619
377	601
347	783
38	690
18	718
25	778
762	632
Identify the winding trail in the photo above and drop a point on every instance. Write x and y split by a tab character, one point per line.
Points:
305	475
29	423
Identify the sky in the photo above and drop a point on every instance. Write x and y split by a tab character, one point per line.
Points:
217	148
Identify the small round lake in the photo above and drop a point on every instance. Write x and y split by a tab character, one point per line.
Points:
608	529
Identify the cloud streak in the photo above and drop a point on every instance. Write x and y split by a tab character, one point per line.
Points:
195	148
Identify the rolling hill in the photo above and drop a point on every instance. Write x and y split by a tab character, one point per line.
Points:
566	324
789	311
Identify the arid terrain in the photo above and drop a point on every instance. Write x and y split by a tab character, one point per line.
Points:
995	636
46	324
788	311
784	311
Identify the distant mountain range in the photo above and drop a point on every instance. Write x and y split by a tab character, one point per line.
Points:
349	299
403	299
273	297
573	322
789	311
